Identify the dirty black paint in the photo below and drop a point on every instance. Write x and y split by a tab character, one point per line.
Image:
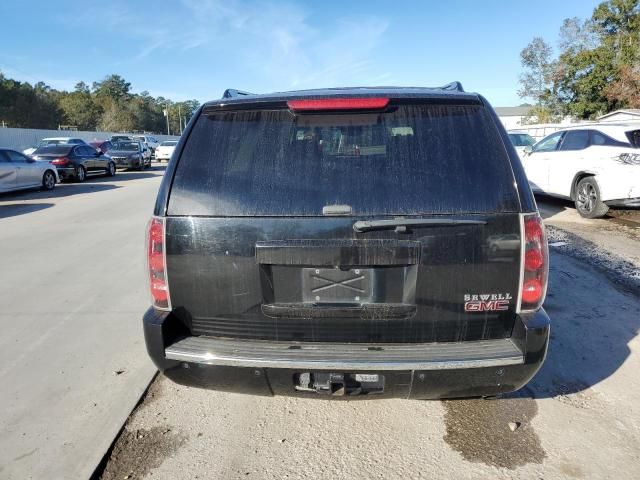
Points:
220	284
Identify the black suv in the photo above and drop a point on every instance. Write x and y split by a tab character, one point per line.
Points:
361	241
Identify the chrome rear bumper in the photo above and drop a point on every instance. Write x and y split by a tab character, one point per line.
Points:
350	357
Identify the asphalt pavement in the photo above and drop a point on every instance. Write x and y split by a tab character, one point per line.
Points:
72	288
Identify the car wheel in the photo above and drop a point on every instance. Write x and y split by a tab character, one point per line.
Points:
48	180
81	174
588	201
111	169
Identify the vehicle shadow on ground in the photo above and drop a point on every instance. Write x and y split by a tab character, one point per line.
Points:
126	175
593	320
15	209
131	174
550	206
60	191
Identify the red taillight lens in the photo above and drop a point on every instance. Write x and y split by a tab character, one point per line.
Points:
371	103
157	264
533	260
60	161
531	291
535	263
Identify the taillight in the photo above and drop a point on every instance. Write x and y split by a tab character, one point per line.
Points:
61	161
156	261
535	263
370	103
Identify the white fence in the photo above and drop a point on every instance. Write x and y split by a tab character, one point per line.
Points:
22	138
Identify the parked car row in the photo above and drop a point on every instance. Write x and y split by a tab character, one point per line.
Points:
597	166
64	158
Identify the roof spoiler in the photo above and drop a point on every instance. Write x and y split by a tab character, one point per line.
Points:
233	93
452	87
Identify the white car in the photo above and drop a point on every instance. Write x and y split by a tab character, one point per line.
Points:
520	141
55	141
596	165
17	171
165	150
151	142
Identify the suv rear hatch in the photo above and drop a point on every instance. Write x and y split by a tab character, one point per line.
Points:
316	221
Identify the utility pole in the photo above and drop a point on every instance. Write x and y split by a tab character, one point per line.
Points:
166	114
180	118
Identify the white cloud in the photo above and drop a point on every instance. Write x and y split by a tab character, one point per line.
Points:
33	78
282	46
267	44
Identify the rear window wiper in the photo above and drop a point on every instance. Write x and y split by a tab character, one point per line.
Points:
368	225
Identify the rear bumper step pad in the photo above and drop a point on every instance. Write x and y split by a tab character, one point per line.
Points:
348	357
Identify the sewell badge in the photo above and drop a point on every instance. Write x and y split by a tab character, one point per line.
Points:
487	302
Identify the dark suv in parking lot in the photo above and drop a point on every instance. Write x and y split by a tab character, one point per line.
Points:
347	242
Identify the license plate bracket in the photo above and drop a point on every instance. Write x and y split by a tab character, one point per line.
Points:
339	384
337	286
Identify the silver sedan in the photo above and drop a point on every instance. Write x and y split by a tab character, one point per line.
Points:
17	171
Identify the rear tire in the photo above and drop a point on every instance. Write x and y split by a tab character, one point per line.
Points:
81	174
588	201
48	180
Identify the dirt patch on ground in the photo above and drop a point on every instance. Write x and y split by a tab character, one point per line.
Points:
618	270
494	432
137	452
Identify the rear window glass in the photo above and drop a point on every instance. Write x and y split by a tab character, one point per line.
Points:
634	138
575	140
124	145
54	150
415	159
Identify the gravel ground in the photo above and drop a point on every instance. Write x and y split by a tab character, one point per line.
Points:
578	418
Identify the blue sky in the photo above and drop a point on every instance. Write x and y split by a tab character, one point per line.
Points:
185	49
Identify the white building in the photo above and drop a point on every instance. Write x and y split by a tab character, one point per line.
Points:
513	117
626	115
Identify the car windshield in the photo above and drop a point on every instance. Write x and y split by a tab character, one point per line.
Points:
521	139
53	150
168	144
59	141
127	146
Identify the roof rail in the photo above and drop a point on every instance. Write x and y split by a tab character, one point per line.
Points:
452	87
233	93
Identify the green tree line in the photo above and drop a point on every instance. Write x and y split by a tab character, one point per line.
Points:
108	105
596	69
